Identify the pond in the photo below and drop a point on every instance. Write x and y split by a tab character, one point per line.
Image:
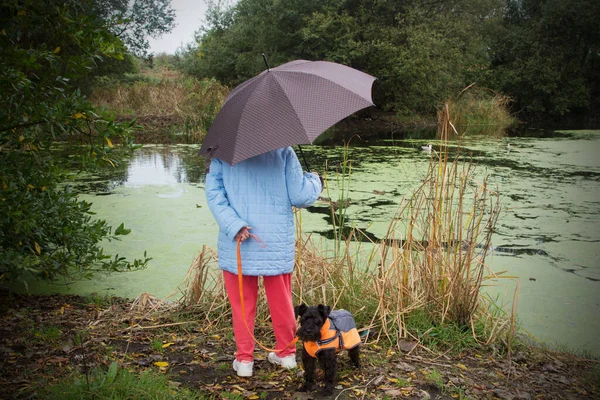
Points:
547	234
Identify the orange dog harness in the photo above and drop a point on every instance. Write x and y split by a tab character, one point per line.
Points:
338	332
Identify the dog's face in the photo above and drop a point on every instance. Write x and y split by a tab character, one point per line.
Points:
311	320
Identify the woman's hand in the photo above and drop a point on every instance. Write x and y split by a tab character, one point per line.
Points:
243	233
321	179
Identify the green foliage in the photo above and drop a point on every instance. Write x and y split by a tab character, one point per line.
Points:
45	230
420	52
545	55
134	21
542	54
116	67
115	384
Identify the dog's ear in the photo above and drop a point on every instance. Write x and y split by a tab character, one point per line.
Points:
300	310
324	310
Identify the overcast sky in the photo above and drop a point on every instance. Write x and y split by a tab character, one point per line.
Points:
189	16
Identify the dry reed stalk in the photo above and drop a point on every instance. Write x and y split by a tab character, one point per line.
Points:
196	278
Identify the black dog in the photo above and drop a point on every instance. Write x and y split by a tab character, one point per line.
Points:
324	333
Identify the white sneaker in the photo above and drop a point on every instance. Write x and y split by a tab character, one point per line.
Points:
287	362
243	368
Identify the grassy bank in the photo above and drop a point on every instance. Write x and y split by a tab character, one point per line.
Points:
168	107
61	347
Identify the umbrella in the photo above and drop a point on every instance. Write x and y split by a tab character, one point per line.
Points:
287	105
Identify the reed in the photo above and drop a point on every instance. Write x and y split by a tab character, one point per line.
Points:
422	281
175	107
475	108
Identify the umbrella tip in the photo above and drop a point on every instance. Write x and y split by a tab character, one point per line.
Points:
266	62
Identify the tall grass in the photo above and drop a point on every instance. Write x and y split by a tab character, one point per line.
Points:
115	384
174	108
475	107
422	281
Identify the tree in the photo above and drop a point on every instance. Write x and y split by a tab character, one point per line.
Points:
44	229
134	21
420	51
546	56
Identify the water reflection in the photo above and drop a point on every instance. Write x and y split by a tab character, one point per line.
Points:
149	165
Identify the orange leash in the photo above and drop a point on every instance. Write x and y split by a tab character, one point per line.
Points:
241	289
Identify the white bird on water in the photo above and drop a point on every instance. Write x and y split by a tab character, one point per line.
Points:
427	148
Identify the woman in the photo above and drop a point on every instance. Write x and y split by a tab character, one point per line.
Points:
256	196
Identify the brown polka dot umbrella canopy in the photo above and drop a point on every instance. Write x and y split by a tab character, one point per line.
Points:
284	106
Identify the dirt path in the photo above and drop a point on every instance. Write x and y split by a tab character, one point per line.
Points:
47	338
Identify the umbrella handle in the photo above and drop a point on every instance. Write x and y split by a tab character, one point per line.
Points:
304	159
265	58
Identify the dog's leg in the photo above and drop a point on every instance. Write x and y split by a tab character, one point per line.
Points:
354	355
309	364
328	361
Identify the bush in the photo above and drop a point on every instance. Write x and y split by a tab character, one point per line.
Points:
46	231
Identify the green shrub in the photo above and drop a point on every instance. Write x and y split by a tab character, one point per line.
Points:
44	229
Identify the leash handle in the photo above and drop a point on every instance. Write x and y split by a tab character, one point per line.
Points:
241	290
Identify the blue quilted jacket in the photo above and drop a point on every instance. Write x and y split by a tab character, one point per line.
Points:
259	192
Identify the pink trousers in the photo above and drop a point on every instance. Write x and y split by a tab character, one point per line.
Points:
279	297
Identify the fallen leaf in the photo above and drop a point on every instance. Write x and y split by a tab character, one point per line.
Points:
161	364
407	346
164	346
393	393
462	366
405	367
56	360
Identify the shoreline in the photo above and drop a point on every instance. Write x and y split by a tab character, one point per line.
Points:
40	346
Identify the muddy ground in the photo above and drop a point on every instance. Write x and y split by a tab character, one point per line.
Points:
44	339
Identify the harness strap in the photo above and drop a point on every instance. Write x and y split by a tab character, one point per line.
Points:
321	342
241	290
338	333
